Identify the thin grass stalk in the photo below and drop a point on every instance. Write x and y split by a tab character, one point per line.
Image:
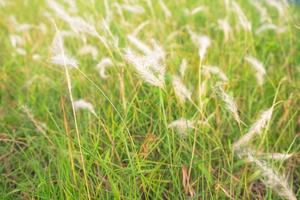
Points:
75	121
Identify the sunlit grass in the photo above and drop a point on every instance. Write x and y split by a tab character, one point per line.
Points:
126	149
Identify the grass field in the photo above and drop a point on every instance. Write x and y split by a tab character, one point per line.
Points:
141	99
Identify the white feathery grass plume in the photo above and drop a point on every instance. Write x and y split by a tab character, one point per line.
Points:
225	26
89	49
181	126
108	12
256	128
151	64
139	28
16	40
58	9
3	3
216	71
258	67
40	126
82	104
59	56
102	65
229	102
279	6
62	60
273	179
136	9
72	5
275	156
24	27
57	45
139	44
164	7
202	41
270	26
183	67
43	28
264	16
181	91
79	25
145	68
227	4
21	51
119	12
36	57
243	21
196	10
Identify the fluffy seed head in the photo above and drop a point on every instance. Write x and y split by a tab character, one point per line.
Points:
216	71
181	91
243	21
102	65
259	68
256	128
82	104
181	126
272	178
229	102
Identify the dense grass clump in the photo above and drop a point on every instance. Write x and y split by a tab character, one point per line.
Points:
141	99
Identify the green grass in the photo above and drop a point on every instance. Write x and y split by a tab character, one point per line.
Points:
48	164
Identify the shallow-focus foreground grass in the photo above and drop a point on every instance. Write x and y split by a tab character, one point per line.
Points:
125	146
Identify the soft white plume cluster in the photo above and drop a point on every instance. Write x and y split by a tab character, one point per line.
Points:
258	67
149	66
16	40
216	71
77	24
243	21
275	156
269	26
89	49
225	26
59	56
3	3
229	102
82	104
136	9
280	6
183	67
62	60
272	178
102	65
197	10
40	126
165	9
264	16
256	128
139	28
202	41
181	91
181	126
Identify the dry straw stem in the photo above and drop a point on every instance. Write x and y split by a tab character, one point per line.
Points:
58	44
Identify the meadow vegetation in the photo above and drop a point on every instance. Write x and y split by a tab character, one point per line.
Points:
142	99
